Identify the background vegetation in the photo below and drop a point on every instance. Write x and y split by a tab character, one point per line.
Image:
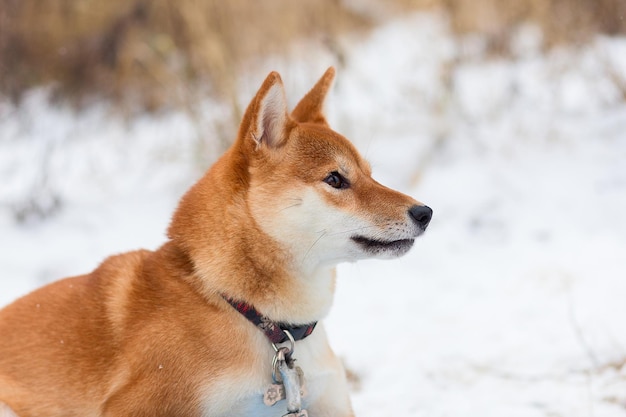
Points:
142	50
147	54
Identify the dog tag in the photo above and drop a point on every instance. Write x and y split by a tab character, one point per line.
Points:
274	394
276	391
291	381
289	384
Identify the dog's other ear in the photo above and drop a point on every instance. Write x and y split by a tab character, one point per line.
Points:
310	108
266	120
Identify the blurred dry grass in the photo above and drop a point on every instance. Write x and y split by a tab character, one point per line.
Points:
145	51
561	21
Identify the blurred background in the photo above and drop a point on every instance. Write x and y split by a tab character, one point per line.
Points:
151	54
507	118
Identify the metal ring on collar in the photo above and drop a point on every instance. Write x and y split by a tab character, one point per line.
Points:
286	354
276	376
291	341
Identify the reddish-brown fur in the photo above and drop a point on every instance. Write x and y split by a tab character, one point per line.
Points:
149	334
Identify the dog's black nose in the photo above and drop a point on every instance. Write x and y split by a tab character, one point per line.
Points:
421	215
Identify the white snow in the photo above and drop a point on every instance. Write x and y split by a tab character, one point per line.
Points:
512	304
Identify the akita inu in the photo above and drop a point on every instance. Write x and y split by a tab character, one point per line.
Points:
210	323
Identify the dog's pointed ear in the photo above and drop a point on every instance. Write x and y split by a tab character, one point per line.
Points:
310	108
266	119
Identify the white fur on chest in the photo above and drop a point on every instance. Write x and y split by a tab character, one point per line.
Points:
241	395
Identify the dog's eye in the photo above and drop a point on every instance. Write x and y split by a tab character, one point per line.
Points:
336	180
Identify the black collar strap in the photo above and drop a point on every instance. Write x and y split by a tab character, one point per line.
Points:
274	331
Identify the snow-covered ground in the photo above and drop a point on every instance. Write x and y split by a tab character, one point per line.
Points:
512	304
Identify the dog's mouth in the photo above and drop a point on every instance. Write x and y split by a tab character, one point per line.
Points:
379	247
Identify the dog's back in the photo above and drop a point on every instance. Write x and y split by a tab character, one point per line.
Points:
110	339
65	334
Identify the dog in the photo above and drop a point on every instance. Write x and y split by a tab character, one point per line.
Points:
217	321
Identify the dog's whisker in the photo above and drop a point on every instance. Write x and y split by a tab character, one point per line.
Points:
291	206
322	234
298	202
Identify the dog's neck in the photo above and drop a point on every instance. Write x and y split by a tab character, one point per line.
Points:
280	294
232	256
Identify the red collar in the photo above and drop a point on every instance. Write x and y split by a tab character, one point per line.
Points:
274	331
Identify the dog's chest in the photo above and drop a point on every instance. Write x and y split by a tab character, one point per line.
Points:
245	397
254	406
241	393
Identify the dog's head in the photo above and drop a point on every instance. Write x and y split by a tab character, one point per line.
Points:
310	189
290	199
